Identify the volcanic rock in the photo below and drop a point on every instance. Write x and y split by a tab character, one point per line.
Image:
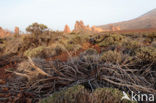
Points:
67	29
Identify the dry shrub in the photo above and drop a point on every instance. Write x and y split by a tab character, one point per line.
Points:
146	55
130	46
34	52
74	42
44	52
78	94
111	56
26	71
114	39
13	45
87	70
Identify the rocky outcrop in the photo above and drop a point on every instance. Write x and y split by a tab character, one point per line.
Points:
67	29
80	27
16	31
114	28
96	29
4	33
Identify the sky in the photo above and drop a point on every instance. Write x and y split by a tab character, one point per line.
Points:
56	13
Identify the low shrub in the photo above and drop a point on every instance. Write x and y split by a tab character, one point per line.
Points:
78	94
130	46
146	55
113	39
34	52
70	95
111	56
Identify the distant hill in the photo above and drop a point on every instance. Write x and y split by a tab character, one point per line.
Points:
146	21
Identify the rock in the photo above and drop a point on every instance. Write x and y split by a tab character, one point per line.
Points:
16	31
4	33
96	29
114	28
67	29
79	27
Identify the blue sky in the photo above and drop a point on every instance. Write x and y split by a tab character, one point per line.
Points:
56	13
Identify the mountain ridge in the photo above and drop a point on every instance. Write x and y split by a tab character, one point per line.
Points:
145	21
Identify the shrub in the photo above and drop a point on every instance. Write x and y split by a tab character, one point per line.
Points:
130	46
113	39
78	94
91	51
13	45
51	51
34	52
70	95
73	47
37	29
72	43
111	56
146	55
108	95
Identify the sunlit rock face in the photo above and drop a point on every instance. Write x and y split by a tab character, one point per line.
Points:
16	30
67	29
96	29
79	26
4	33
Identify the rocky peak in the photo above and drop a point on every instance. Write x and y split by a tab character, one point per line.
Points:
79	26
67	29
16	30
4	33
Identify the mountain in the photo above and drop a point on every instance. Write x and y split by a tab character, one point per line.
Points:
146	21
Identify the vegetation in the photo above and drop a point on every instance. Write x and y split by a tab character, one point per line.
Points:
37	29
78	94
51	67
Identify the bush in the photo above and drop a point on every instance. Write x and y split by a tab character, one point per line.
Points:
34	52
111	56
108	95
70	95
113	39
37	29
131	46
78	94
13	45
91	51
146	55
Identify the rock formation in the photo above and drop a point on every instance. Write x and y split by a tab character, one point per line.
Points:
16	31
4	33
96	29
79	27
67	29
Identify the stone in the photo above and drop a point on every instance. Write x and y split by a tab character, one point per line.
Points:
67	29
79	27
16	31
96	29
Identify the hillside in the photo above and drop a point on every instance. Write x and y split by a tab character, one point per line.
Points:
146	21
